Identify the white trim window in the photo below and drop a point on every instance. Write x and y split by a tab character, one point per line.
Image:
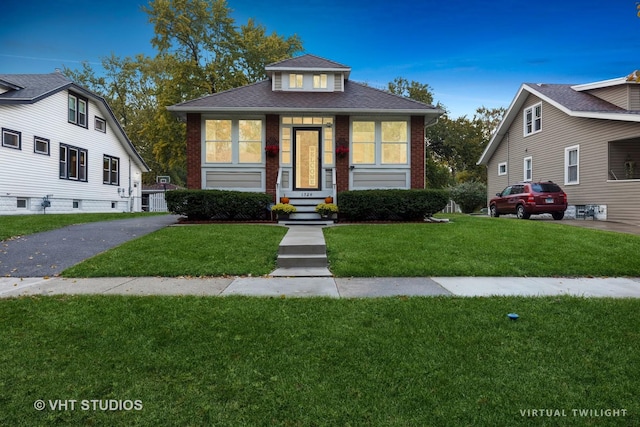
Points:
233	141
528	169
11	139
572	165
41	145
110	170
73	163
533	119
502	168
296	81
380	142
319	81
77	110
100	124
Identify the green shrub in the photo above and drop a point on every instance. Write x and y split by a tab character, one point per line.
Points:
218	204
391	205
469	195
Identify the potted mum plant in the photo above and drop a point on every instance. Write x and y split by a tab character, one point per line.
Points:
283	210
327	210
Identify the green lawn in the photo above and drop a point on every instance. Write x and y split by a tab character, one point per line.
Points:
480	246
202	250
439	361
20	225
466	246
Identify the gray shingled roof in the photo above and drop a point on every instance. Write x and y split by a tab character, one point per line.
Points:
307	61
259	97
32	86
574	100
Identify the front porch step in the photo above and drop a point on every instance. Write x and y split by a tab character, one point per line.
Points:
301	248
302	261
290	221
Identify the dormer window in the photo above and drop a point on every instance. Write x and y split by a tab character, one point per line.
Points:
296	81
319	81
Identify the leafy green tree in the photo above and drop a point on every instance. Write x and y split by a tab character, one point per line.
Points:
200	51
415	90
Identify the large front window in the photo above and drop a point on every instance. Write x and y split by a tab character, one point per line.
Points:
233	141
380	142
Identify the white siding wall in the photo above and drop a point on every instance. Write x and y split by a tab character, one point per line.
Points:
26	174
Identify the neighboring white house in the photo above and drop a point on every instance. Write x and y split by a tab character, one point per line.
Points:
63	149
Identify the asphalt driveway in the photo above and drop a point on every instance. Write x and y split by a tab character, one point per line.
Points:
50	252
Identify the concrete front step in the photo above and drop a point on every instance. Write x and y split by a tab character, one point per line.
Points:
302	261
302	248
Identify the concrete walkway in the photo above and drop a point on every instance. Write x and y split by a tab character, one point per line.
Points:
325	286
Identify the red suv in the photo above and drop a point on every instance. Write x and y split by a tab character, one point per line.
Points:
527	198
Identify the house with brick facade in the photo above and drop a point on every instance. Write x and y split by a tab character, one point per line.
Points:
306	132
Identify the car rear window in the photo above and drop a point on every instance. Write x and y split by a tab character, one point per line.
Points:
546	187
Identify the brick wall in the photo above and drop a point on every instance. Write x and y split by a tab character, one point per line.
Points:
417	152
194	151
342	163
272	131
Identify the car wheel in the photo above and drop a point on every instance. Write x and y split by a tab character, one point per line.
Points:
493	210
521	213
557	215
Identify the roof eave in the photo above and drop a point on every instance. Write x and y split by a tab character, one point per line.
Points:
266	110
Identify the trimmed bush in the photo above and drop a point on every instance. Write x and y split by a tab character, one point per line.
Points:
469	195
219	204
391	205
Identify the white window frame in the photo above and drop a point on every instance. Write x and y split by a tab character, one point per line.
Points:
235	141
80	172
320	81
536	119
100	124
379	144
14	133
527	166
567	152
79	111
296	81
45	142
112	170
502	166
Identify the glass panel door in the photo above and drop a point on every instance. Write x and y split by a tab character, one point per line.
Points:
307	159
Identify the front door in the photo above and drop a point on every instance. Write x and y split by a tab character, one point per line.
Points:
306	154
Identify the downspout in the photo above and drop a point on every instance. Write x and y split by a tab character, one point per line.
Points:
130	188
424	160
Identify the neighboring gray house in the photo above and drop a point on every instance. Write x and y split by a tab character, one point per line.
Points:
584	137
62	148
306	132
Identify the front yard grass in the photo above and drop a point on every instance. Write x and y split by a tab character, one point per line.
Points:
202	250
480	246
439	361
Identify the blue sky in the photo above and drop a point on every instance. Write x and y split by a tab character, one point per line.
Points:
471	53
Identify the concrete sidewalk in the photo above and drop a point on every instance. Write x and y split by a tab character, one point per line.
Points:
325	286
